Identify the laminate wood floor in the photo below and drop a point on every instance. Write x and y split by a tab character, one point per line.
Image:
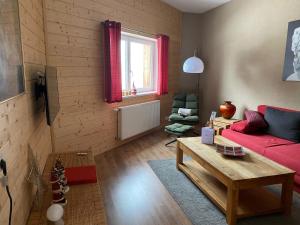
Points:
133	195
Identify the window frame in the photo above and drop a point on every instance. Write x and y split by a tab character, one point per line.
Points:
128	38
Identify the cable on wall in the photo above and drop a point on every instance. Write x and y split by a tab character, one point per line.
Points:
5	184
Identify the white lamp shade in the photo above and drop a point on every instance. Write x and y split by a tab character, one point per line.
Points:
193	65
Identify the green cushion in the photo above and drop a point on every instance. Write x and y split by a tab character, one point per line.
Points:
191	105
178	128
180	96
178	104
175	110
184	101
176	117
191	98
191	118
194	112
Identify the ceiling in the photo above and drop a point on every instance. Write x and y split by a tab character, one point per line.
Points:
195	6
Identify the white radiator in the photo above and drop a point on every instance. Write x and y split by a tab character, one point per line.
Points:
138	118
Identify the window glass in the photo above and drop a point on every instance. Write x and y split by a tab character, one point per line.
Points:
139	64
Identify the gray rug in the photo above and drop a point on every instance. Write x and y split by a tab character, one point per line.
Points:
200	210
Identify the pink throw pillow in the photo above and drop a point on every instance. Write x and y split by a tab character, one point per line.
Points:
256	121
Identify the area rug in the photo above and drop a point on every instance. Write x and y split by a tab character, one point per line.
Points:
198	208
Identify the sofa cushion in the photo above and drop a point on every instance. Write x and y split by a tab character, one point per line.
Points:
287	155
283	124
256	121
262	109
256	142
240	126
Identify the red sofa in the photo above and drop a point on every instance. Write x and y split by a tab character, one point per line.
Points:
282	151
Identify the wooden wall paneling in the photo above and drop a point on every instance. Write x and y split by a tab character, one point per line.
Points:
21	121
73	45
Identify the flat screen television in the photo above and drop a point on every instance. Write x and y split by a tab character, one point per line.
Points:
51	94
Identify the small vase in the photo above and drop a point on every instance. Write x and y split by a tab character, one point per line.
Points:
133	91
227	110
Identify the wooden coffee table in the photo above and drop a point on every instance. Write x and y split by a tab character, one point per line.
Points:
235	185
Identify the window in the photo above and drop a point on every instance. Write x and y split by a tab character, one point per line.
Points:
139	64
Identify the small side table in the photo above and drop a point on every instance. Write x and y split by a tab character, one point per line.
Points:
220	124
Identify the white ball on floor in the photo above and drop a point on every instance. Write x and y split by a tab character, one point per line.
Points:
55	213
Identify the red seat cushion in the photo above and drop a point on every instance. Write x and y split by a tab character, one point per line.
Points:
81	175
256	142
287	155
240	126
254	123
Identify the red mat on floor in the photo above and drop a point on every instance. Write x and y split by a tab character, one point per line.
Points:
81	175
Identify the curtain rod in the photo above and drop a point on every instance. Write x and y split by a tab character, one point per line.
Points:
138	31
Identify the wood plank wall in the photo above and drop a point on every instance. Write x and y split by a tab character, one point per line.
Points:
22	122
73	45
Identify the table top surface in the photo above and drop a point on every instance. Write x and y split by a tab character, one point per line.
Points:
251	166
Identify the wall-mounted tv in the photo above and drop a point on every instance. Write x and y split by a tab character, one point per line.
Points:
51	94
46	92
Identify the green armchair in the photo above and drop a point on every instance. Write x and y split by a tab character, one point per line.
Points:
188	101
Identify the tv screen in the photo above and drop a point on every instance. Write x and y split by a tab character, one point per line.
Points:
52	94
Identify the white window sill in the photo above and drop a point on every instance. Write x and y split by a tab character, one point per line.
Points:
140	94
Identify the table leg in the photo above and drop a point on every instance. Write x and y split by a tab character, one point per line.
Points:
232	204
179	156
287	195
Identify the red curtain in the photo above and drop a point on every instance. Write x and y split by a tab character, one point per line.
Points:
112	61
163	64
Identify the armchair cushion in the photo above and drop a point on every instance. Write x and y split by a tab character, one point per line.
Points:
178	104
194	112
178	128
191	98
192	103
176	117
180	96
191	118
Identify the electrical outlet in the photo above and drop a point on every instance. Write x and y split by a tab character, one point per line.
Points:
3	181
166	118
3	178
